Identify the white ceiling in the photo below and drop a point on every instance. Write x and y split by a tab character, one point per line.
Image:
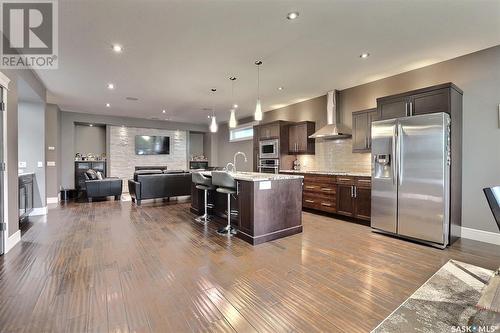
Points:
175	51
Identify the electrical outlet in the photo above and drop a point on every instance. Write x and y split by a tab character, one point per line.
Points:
40	164
51	163
52	148
22	164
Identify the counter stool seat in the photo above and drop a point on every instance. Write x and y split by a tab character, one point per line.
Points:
205	187
226	190
205	184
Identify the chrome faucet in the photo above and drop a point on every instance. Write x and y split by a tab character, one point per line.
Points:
230	167
234	159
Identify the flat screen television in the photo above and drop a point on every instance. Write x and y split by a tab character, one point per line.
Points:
152	145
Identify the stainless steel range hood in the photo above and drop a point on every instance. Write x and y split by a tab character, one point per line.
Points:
332	130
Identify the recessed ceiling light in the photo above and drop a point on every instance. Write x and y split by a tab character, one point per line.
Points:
292	15
108	105
164	111
280	88
91	125
364	55
117	48
111	86
235	106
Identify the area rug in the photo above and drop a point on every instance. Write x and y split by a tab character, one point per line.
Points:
446	303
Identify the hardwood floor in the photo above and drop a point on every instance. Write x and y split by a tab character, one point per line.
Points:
109	266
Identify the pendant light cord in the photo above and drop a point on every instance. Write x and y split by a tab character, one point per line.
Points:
258	81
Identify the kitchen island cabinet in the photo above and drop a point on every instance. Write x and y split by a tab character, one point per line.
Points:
269	206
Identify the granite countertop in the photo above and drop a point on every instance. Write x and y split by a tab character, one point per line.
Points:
256	176
25	174
332	173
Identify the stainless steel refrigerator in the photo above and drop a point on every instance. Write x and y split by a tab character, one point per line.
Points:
411	177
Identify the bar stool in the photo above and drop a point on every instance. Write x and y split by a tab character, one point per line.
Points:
225	184
205	184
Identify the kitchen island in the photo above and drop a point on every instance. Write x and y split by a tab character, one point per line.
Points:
269	205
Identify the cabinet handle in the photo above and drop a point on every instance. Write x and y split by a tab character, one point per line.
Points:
326	189
326	204
406	109
355	191
310	187
309	201
411	108
344	179
352	191
364	181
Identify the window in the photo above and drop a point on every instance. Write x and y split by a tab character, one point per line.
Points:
241	133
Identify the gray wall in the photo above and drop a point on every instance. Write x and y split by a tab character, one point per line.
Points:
52	139
31	146
90	139
227	150
196	146
11	137
70	119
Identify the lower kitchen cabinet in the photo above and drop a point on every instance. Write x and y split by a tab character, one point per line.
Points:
345	200
344	195
362	209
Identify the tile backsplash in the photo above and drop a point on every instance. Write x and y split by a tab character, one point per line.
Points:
336	155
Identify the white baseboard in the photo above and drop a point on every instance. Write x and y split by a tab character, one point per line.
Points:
481	235
52	200
12	240
39	211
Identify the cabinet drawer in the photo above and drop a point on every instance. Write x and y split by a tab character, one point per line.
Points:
311	187
345	180
320	203
365	182
320	179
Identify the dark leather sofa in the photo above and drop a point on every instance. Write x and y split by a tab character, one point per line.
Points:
156	184
105	187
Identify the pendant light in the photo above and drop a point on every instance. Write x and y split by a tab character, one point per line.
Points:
258	108
232	117
213	124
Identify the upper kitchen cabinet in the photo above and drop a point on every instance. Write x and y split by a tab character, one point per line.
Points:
422	101
430	102
298	138
392	107
269	131
361	130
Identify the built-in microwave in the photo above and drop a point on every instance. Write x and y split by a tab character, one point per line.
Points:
269	149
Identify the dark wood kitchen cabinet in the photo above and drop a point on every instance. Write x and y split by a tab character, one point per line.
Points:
269	131
345	200
362	130
395	107
421	101
344	195
362	198
298	138
431	102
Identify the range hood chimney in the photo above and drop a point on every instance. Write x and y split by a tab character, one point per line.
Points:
332	130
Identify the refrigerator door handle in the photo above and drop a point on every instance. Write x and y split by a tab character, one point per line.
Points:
400	148
406	109
411	109
394	159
